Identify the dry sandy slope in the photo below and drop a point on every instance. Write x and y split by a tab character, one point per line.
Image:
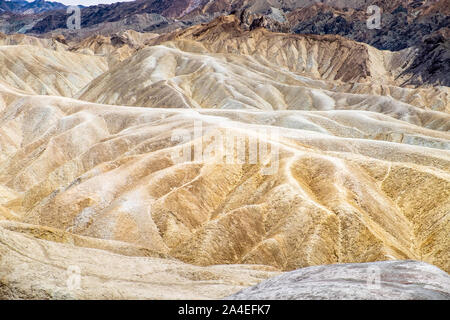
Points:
337	194
185	75
115	48
38	269
39	70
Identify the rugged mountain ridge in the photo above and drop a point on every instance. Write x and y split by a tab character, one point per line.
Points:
25	7
373	202
420	27
408	20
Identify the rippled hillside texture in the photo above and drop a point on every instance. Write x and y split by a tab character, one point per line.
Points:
198	162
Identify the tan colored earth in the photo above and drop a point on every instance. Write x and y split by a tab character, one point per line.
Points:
121	154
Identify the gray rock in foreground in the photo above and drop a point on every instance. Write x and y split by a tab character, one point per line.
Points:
405	280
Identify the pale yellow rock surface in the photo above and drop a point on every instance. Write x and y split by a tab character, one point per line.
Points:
348	167
44	71
114	48
56	43
109	173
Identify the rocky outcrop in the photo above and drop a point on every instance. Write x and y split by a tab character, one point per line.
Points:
275	21
431	62
393	280
402	25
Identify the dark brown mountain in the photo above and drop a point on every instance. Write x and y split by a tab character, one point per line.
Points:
94	15
401	27
432	61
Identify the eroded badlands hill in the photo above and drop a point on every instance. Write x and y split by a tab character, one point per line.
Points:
38	70
215	145
38	269
347	186
220	65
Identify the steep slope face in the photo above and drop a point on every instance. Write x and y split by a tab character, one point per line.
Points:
42	71
114	48
337	193
411	19
95	15
404	280
220	65
57	43
404	24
